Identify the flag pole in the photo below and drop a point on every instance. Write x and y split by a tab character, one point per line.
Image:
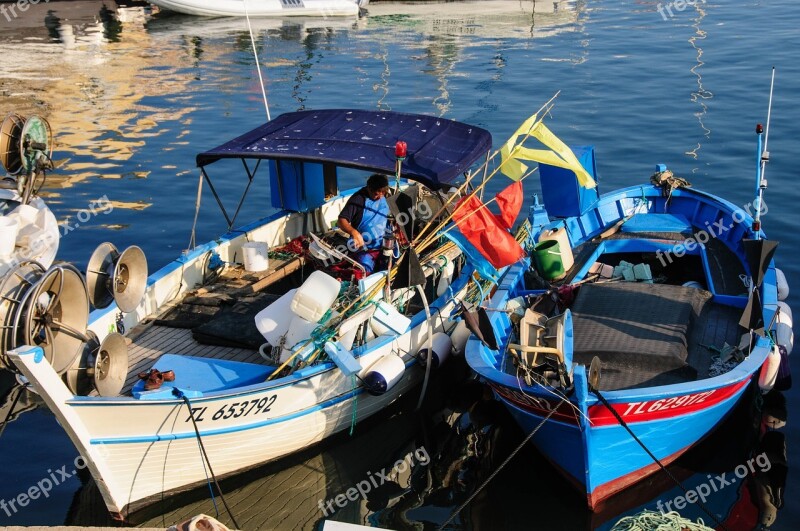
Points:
761	182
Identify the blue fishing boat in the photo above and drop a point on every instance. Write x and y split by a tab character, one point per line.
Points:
635	326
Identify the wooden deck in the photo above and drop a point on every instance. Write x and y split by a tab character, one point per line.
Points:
158	340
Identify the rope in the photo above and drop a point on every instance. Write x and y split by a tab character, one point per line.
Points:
499	468
205	458
11	411
430	345
654	458
355	404
655	521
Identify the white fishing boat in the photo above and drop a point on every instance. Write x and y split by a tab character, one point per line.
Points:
264	8
211	365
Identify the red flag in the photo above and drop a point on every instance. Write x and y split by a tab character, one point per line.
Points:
484	231
510	201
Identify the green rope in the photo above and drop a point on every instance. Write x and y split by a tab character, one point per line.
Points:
655	521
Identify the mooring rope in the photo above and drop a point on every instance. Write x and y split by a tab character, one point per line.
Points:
499	468
653	457
205	457
11	411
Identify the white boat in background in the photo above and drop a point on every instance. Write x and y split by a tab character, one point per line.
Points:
264	8
340	346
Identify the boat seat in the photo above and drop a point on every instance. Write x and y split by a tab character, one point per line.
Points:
657	223
543	339
195	376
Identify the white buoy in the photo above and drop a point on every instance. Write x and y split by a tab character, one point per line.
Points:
459	336
442	345
384	374
273	321
784	335
446	278
769	370
783	285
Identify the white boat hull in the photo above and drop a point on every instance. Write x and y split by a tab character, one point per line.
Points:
138	450
263	8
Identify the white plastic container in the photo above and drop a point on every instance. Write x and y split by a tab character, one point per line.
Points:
8	235
273	321
255	257
315	296
387	319
366	284
299	331
441	350
384	374
560	235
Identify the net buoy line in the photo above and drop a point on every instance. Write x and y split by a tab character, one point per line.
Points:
206	461
500	467
653	457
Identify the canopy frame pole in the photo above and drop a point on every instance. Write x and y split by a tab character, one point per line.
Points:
216	196
250	177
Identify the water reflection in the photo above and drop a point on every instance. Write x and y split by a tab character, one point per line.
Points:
701	94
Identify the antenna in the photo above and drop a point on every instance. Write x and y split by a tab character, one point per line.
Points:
761	183
255	54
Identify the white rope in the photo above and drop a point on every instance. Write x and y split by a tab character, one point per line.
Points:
192	238
255	55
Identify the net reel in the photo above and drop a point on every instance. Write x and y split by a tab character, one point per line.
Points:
53	314
114	277
102	366
13	287
26	146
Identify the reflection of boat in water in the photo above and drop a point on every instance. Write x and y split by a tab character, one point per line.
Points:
487	18
264	8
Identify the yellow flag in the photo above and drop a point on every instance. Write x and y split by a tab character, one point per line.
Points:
546	137
509	165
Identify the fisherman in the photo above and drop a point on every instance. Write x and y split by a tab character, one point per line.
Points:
364	219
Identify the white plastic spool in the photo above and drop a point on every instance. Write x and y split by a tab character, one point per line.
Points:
769	370
441	350
254	255
783	285
784	336
315	296
384	374
273	321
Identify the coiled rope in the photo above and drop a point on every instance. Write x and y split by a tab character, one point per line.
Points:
655	521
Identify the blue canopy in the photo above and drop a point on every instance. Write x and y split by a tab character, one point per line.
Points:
439	150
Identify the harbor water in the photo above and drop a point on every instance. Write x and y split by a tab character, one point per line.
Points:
132	95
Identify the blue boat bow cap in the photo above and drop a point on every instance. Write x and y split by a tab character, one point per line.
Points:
439	150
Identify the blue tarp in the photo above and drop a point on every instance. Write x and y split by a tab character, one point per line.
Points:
439	150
